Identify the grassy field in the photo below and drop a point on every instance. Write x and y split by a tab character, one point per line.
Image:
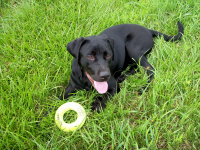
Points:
35	69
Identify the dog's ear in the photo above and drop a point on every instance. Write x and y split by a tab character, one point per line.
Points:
111	43
73	47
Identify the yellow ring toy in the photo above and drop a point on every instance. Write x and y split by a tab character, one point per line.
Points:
72	126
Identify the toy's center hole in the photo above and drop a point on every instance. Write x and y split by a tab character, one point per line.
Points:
70	116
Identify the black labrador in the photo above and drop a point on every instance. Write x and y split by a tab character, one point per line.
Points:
99	60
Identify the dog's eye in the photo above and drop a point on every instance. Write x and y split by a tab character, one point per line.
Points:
108	56
90	57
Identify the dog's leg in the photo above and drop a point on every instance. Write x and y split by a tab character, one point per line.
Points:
138	53
132	70
67	93
68	90
100	102
150	72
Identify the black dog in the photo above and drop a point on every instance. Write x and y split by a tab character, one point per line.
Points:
99	60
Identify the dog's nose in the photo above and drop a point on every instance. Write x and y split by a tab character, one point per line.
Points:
104	75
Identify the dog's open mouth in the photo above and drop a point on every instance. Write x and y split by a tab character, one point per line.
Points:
101	87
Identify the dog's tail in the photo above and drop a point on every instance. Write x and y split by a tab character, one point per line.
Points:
167	37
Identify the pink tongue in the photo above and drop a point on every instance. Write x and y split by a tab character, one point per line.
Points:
101	87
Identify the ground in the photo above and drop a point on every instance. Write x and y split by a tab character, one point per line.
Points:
35	69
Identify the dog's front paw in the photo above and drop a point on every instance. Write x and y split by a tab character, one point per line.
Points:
121	78
98	105
142	90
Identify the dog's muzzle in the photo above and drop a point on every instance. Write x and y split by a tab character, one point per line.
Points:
101	87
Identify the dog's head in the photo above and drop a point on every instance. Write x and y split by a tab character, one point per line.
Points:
94	55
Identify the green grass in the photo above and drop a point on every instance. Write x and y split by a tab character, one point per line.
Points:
35	69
